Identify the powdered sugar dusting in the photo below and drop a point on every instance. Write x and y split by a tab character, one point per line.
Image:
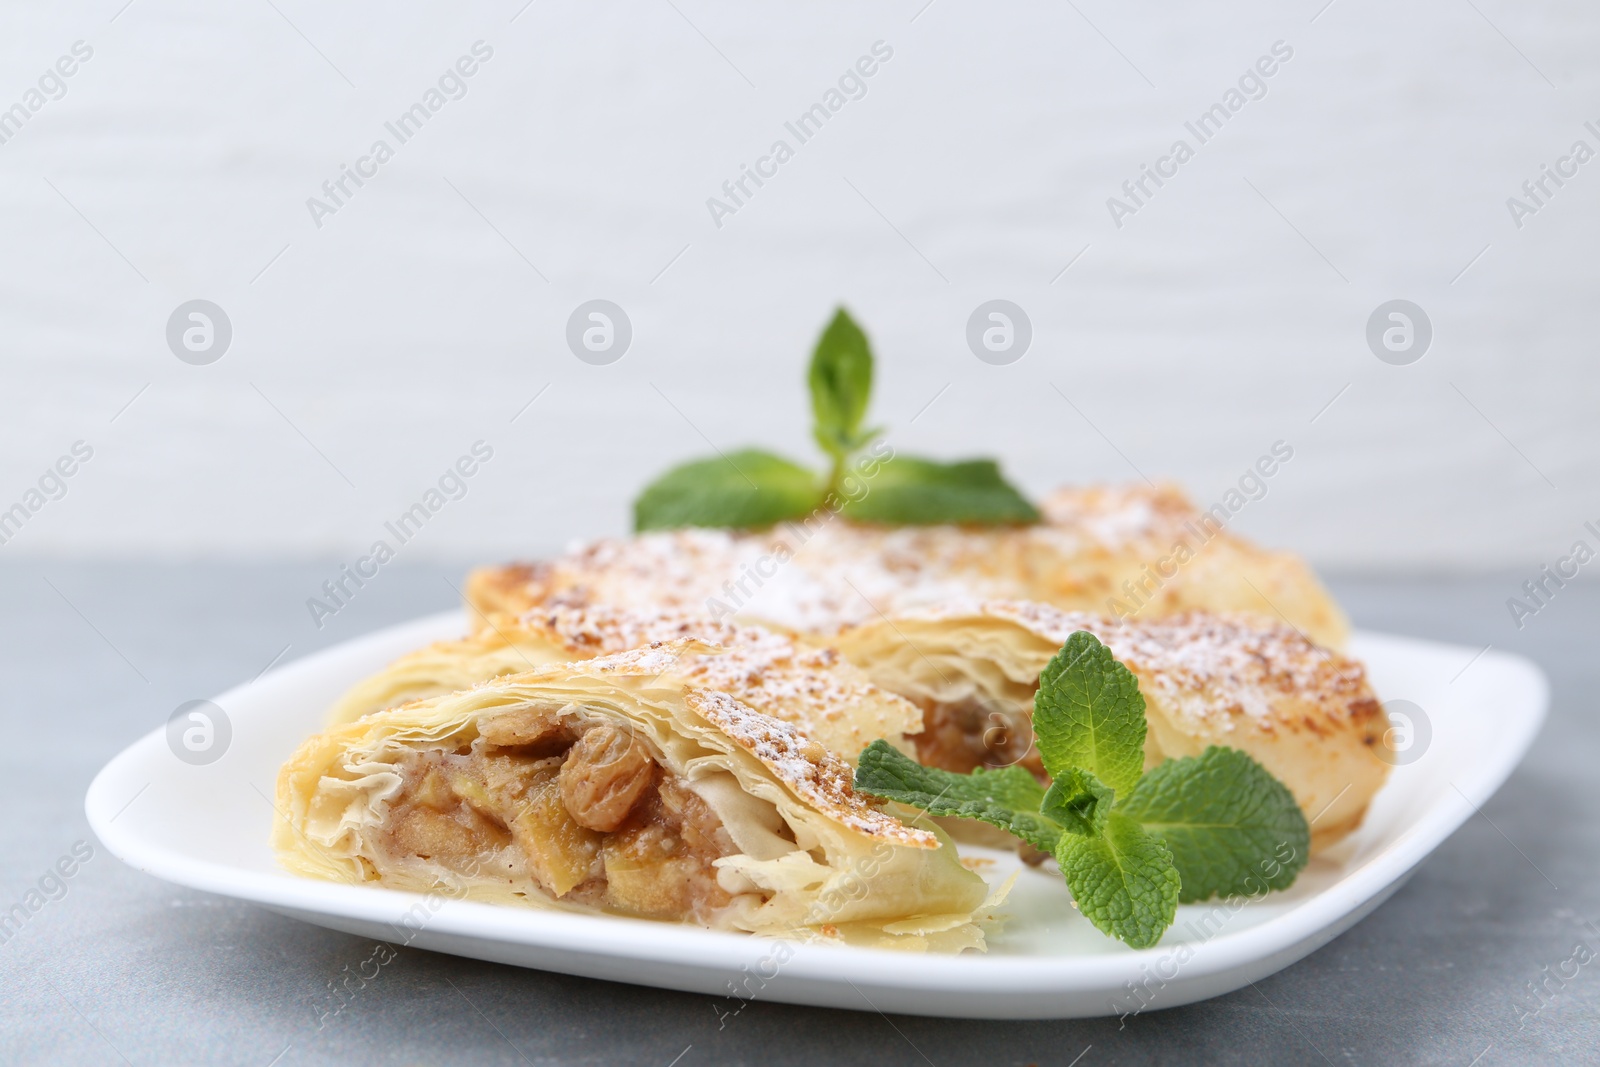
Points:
820	575
1118	517
587	630
1209	664
813	688
809	771
650	661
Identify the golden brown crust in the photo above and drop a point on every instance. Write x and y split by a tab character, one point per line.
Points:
598	629
814	688
1135	551
501	590
1233	664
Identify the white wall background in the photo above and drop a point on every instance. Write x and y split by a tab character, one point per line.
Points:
407	327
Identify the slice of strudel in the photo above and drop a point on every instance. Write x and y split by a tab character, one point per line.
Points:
1124	552
1306	714
619	785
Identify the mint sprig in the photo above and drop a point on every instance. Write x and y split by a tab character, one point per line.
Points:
1130	845
751	487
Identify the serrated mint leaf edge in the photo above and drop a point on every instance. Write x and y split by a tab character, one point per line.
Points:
1112	714
1265	864
1152	895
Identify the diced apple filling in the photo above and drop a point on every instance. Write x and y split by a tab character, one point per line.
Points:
963	735
586	815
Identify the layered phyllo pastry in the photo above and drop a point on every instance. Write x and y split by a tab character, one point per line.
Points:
954	685
831	700
624	784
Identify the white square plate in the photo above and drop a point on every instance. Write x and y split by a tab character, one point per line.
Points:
207	827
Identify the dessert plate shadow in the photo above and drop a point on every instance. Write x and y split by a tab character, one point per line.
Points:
207	826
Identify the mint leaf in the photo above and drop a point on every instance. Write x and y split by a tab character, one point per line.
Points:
743	489
1079	801
1123	880
921	492
841	384
1088	715
1234	829
1008	798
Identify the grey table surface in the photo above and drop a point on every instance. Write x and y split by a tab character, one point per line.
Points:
126	969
